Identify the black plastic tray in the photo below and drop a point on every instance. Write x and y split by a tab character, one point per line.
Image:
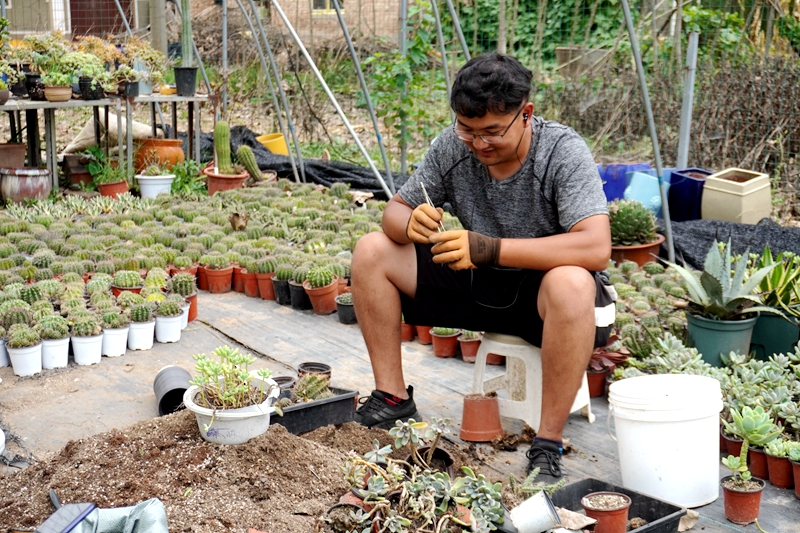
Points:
312	415
661	517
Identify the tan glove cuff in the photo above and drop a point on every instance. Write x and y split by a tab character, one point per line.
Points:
483	250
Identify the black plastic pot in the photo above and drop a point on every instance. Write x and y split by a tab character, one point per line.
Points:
34	86
185	80
132	88
314	368
300	299
309	416
18	89
346	313
87	91
282	294
170	384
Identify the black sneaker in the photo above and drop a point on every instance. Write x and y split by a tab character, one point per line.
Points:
381	410
547	458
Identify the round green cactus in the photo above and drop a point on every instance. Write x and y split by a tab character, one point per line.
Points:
87	326
631	223
182	261
470	335
141	313
623	319
217	262
30	294
266	265
169	308
22	336
128	279
128	299
444	332
300	273
345	298
156	278
319	277
183	284
16	315
53	329
283	272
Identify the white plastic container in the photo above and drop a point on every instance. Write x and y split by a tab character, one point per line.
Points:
115	341
168	328
26	361
55	353
185	315
4	360
535	515
140	335
152	186
667	432
87	350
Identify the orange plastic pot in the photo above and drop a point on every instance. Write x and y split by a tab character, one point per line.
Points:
757	462
192	306
780	471
469	349
608	520
265	287
238	280
223	182
116	291
423	334
342	285
796	473
164	151
202	278
250	284
640	253
444	345
219	281
406	332
113	190
742	507
480	418
495	359
597	382
323	300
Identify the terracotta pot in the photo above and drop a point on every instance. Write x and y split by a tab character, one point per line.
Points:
742	508
265	287
796	474
342	285
250	284
495	359
5	94
424	334
113	189
58	94
219	281
223	182
641	254
323	299
238	280
597	382
480	418
119	290
406	332
19	184
780	471
80	178
469	349
734	445
608	520
202	278
445	345
13	154
191	270
192	306
757	462
164	151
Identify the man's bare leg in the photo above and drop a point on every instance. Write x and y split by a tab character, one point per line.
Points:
381	268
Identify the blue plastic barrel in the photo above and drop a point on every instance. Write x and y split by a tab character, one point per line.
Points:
615	178
686	194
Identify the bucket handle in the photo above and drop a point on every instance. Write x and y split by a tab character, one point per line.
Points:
608	421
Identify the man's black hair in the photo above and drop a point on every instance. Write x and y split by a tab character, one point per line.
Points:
490	82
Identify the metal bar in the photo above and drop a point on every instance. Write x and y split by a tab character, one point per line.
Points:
129	135
272	91
457	25
96	118
174	120
153	122
331	97
443	50
50	145
652	126
688	101
402	112
197	135
190	132
124	17
108	140
276	73
365	90
32	126
119	132
224	56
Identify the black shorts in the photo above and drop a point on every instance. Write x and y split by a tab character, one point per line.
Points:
496	299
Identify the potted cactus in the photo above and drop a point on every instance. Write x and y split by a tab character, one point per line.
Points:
184	285
54	332
280	282
322	287
344	308
297	292
469	342
168	321
219	273
222	174
445	341
407	331
115	333
186	74
87	340
265	269
184	264
24	349
127	280
249	280
142	327
634	234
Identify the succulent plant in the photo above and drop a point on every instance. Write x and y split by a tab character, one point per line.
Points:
217	262
22	336
169	308
30	294
183	284
156	277
345	298
283	272
53	329
16	315
113	320
266	265
127	279
87	326
631	223
319	277
128	299
182	261
444	331
310	387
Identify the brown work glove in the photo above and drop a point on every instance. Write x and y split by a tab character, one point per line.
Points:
462	249
423	223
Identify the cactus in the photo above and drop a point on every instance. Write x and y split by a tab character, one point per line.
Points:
246	158
444	332
345	298
128	299
222	147
623	319
42	274
30	294
53	330
628	267
300	274
87	326
650	320
72	277
266	265
22	336
115	321
182	261
106	267
653	268
169	308
127	279
16	315
470	335
217	262
183	284
141	313
631	223
340	189
319	277
283	272
156	278
310	387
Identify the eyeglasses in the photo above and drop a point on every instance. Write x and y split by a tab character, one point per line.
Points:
494	138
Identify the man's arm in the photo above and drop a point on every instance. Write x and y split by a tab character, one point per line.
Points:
403	224
396	215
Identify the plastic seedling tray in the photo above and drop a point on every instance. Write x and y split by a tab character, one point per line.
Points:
661	517
312	415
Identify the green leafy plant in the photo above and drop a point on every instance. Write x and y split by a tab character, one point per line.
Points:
224	382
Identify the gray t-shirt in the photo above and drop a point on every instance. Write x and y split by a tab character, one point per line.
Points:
557	186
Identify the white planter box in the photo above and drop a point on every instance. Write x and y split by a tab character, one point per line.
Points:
737	195
168	328
152	186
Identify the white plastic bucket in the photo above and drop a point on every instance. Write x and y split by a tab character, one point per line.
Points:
667	433
152	186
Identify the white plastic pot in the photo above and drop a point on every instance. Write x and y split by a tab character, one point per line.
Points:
115	341
151	186
168	328
234	426
26	361
55	353
4	360
140	335
87	350
535	515
185	315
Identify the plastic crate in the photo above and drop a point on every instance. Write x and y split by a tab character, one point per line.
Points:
661	517
312	415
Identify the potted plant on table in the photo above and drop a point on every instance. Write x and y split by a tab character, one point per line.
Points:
93	78
149	62
24	349
186	74
722	308
634	234
232	404
221	173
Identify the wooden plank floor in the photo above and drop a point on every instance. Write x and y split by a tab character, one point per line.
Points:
292	337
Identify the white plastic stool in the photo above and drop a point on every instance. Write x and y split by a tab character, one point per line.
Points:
522	380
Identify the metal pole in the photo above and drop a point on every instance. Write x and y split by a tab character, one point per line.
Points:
282	93
688	98
224	56
402	113
364	88
331	97
457	25
440	36
269	81
196	54
652	125
3	9
122	14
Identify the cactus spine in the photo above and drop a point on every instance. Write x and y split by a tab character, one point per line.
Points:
222	146
246	158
